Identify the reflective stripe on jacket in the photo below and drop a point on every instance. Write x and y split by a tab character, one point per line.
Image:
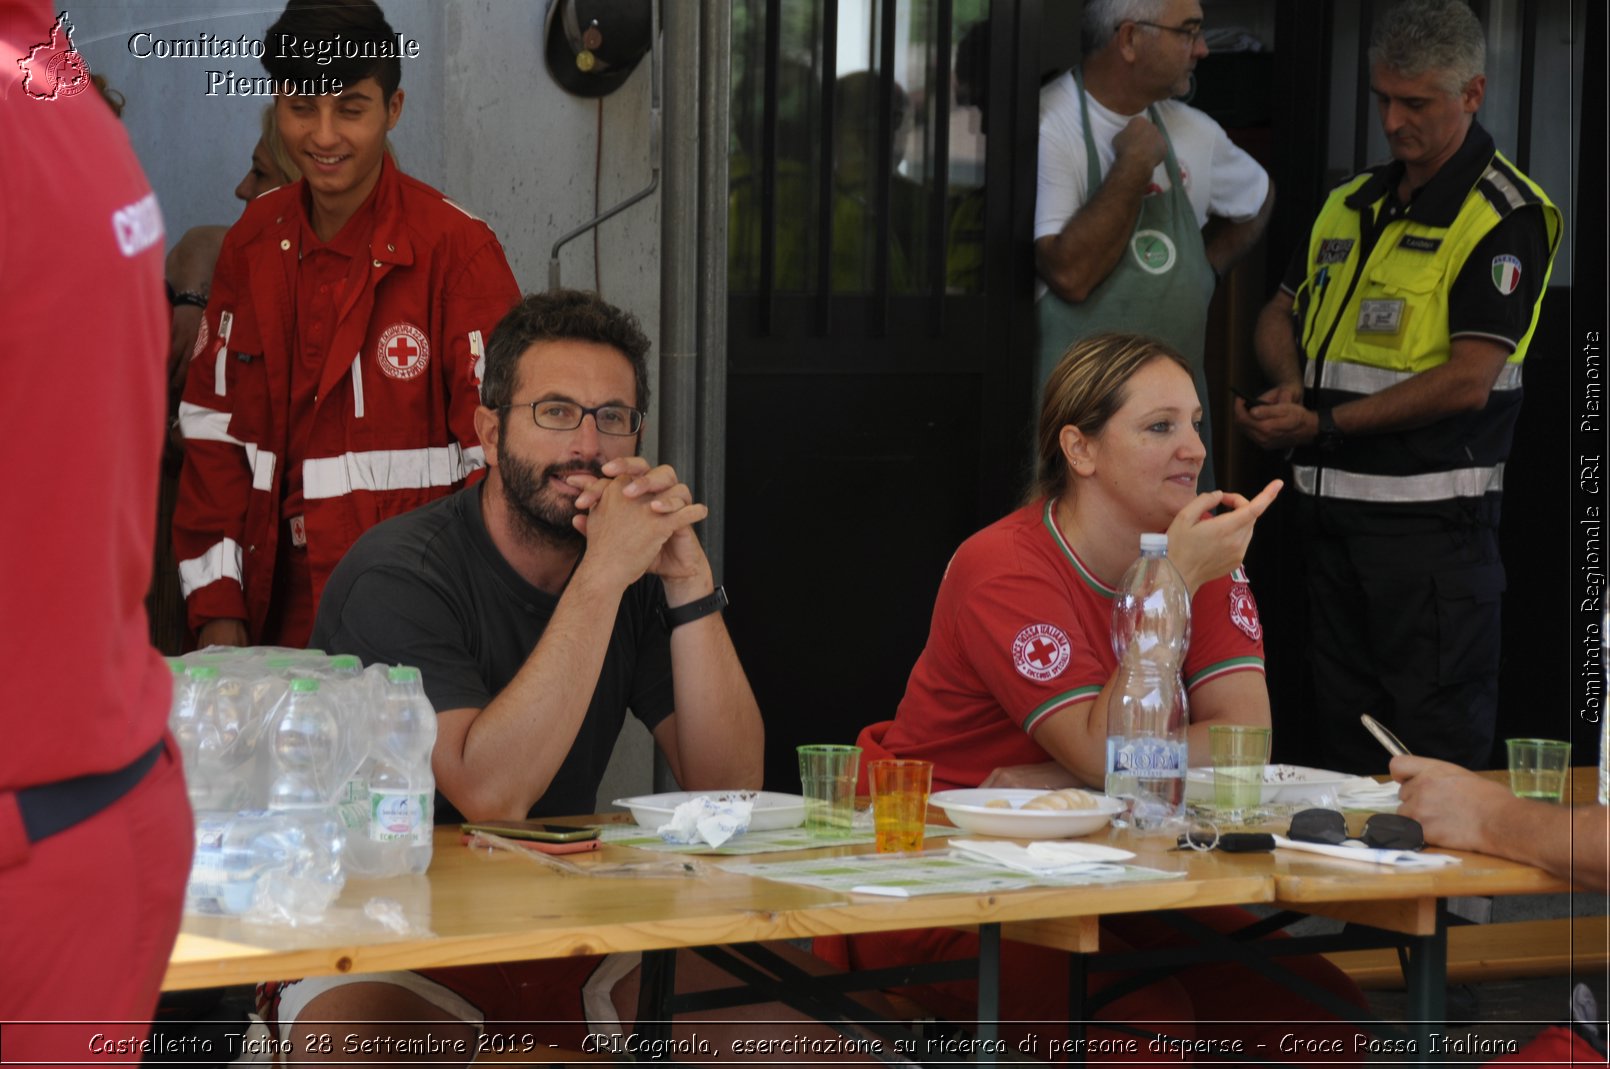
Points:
1372	314
393	421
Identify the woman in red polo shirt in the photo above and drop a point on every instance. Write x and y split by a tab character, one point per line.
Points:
1013	686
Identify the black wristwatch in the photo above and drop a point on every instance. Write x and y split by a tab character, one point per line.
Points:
1330	435
694	610
178	297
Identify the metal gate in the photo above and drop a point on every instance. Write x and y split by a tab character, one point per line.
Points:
879	318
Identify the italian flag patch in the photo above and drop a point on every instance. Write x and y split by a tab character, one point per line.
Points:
1506	274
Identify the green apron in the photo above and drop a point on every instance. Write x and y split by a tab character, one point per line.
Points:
1161	285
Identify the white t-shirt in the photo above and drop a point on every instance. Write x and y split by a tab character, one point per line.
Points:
1220	179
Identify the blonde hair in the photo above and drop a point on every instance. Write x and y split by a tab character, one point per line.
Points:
1086	387
276	147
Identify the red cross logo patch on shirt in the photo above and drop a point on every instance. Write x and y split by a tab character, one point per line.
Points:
1244	611
1040	652
403	351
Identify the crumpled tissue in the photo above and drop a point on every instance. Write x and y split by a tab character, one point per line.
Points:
1365	793
707	819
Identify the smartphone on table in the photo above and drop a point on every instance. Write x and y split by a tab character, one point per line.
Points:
533	830
536	835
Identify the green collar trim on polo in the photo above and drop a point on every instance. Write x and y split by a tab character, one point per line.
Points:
1050	521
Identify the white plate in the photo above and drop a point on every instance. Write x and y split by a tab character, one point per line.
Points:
771	811
1281	784
967	809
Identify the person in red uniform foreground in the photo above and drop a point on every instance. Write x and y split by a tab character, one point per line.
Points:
1014	685
95	827
335	379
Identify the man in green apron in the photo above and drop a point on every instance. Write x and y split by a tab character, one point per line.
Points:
1128	177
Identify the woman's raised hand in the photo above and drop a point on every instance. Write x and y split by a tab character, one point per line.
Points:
1204	545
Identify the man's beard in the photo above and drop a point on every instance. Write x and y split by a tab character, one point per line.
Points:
540	513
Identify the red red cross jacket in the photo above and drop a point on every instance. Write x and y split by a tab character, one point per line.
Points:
393	419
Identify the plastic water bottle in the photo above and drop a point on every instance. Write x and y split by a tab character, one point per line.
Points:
306	745
187	716
211	719
1146	748
402	789
306	754
348	688
263	862
235	852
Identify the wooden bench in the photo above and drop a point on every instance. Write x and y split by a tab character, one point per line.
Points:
1504	951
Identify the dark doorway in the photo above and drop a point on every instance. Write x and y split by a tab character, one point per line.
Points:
879	382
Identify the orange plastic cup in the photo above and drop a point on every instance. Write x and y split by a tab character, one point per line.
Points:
900	803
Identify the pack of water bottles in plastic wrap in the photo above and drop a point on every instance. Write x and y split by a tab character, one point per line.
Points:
302	769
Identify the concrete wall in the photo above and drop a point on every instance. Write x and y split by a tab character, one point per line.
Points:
482	121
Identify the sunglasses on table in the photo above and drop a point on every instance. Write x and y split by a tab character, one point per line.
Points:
1382	831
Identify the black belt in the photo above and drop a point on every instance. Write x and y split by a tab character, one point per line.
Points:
53	807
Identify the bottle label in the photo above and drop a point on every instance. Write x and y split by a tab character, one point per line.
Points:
399	816
1147	757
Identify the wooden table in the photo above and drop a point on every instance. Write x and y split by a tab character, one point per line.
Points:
477	907
487	907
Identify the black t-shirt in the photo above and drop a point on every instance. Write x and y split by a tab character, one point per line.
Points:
429	589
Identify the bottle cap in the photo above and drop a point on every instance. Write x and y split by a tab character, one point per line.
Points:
202	671
403	674
281	661
304	685
1154	541
175	665
343	661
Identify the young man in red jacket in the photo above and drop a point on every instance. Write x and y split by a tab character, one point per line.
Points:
335	376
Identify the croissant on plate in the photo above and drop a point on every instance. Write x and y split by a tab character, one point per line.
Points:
1067	798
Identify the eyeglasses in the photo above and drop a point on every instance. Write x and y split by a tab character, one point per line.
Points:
1383	831
619	420
1192	34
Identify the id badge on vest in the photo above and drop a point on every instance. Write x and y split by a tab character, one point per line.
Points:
1381	316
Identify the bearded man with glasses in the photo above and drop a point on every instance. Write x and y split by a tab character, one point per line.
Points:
1142	202
540	605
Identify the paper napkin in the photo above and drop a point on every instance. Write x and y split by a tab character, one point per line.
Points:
1049	858
1407	859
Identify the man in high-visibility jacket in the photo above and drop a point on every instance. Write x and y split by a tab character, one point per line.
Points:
334	379
1396	344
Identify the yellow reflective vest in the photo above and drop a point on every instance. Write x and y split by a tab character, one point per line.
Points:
1372	311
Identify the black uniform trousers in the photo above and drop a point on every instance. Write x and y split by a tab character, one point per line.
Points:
1405	627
